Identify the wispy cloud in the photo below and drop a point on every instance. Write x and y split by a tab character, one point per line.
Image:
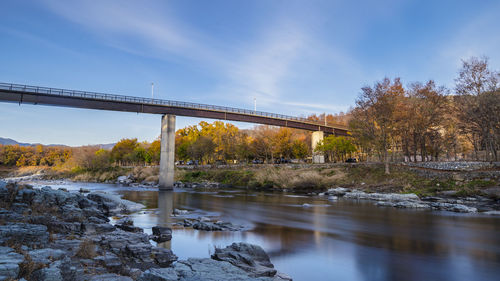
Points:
258	68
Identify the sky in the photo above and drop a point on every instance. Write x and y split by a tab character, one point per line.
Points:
293	57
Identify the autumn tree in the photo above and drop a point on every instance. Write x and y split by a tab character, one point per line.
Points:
477	88
373	118
124	151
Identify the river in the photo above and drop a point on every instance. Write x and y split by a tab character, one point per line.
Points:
339	240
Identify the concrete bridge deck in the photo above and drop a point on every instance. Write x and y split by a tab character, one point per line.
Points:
81	99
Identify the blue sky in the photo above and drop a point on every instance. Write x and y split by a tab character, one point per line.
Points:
294	57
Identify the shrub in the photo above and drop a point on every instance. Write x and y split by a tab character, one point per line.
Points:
86	250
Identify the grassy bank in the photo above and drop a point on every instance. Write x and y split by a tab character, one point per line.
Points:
368	177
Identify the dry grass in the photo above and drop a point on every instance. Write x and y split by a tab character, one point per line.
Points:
28	266
86	250
295	178
146	173
29	170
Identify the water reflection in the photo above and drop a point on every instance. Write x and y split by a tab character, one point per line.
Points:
165	210
343	240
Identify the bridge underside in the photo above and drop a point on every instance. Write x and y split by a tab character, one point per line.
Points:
30	98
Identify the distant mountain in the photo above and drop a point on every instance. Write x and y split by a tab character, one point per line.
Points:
6	141
107	146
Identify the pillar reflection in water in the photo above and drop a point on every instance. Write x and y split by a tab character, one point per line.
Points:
165	209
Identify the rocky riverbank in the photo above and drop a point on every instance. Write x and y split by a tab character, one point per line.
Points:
48	234
412	201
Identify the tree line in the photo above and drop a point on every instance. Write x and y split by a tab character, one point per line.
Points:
426	122
208	143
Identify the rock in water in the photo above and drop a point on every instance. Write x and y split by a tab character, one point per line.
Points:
250	258
113	204
161	234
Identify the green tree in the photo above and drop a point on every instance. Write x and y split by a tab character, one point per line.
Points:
123	151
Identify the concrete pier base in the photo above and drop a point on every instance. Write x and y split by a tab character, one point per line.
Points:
316	138
167	152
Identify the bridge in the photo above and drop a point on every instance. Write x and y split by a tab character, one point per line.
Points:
169	109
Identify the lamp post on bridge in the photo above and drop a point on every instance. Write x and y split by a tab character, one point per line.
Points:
152	90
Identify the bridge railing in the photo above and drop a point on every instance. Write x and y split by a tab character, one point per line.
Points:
152	101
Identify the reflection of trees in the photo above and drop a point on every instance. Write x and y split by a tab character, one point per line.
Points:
148	198
398	245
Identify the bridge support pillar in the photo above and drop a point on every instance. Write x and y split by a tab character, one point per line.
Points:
167	152
317	157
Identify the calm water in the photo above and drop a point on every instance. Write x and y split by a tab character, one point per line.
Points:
342	240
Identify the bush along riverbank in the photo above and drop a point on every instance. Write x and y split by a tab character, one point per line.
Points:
48	234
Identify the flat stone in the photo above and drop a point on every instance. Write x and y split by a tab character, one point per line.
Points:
159	274
52	273
493	213
46	255
23	233
381	196
110	277
9	263
65	227
412	205
130	228
97	227
459	208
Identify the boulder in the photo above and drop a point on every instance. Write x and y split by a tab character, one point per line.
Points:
163	257
250	258
113	204
338	191
161	234
206	226
125	180
110	261
178	212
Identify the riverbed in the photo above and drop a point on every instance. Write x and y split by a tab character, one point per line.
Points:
312	238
